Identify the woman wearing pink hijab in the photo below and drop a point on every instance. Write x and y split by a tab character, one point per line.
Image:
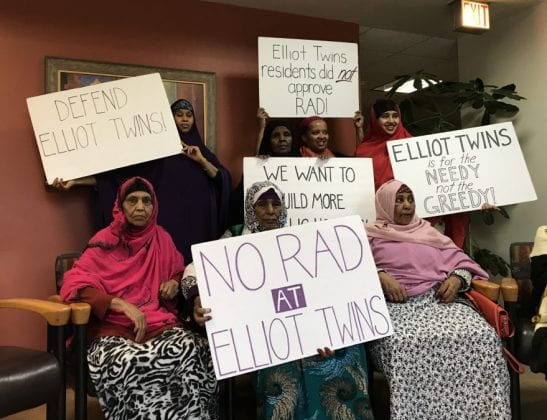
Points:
143	363
443	360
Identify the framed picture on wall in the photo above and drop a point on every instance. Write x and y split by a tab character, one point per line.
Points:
198	87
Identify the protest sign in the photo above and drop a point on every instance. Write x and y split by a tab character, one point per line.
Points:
279	295
317	189
96	128
299	78
461	170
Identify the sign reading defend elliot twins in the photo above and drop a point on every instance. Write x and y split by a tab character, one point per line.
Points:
96	128
299	78
461	170
279	295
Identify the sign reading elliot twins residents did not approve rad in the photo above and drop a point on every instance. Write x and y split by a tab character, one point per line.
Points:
279	295
300	77
96	128
459	171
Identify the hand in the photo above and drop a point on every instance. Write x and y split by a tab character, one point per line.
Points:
323	156
169	289
489	207
325	352
263	157
358	120
200	313
59	184
134	314
393	290
449	289
193	152
262	116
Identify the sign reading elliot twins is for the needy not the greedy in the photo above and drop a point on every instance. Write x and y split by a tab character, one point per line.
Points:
279	295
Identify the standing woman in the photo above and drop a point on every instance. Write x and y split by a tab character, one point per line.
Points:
192	186
330	385
315	138
143	363
385	125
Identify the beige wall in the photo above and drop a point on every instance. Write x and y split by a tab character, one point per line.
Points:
515	51
38	224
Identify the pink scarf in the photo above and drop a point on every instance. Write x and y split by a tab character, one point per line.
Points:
417	254
128	263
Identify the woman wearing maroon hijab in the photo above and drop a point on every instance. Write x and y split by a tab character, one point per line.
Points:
143	363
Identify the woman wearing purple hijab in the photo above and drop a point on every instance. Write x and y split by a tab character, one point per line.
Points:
443	360
193	187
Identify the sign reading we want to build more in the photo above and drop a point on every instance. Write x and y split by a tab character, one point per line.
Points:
461	170
96	128
279	295
299	78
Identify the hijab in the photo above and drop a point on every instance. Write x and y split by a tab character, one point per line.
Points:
128	262
254	193
305	151
265	144
417	231
375	140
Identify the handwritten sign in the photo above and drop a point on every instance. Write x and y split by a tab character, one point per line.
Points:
461	170
317	189
93	129
278	295
299	78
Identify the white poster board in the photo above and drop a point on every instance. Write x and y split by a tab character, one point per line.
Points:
279	295
317	189
460	170
96	128
299	77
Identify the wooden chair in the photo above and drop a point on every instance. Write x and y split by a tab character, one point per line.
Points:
29	378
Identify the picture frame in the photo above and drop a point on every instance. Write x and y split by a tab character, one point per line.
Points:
198	87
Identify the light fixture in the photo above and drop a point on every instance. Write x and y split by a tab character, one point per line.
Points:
408	86
471	16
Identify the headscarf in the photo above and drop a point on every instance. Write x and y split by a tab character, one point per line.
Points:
417	231
416	255
254	192
305	151
265	144
374	143
129	263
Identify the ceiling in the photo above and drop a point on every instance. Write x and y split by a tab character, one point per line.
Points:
395	36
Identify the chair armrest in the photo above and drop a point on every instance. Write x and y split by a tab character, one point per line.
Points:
80	310
80	313
487	288
55	314
509	289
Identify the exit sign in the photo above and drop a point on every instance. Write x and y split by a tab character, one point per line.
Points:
472	16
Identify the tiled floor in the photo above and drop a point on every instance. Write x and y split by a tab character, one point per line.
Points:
533	402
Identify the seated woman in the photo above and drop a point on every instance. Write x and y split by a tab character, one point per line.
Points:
443	360
330	385
142	362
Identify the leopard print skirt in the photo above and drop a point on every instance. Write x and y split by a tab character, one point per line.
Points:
170	376
442	362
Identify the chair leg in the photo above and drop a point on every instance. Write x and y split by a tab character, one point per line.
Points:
56	410
515	384
80	386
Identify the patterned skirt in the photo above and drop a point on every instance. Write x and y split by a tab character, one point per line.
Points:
442	362
316	388
168	377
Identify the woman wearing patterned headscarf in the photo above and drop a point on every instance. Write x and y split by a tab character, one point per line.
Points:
443	360
330	385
